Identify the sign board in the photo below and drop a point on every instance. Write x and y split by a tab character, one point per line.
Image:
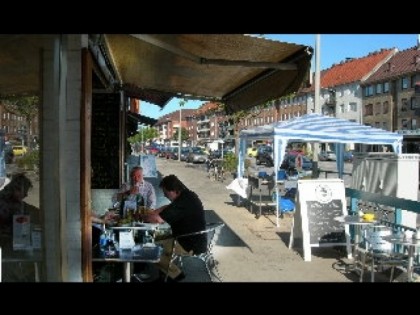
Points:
148	162
319	203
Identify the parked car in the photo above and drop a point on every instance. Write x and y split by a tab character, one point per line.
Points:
252	152
264	155
19	150
289	162
184	153
327	156
348	156
152	150
196	155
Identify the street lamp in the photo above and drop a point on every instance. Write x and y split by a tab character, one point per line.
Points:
179	135
142	140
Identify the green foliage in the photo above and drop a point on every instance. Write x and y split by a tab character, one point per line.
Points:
230	162
184	134
21	105
29	161
148	134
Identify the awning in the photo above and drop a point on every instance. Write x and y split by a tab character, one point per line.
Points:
241	71
141	119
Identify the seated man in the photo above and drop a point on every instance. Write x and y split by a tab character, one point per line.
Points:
137	186
185	214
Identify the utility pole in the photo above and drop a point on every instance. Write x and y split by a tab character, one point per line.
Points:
181	103
317	109
142	140
179	134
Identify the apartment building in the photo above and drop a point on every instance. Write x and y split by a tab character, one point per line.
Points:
341	94
16	127
390	101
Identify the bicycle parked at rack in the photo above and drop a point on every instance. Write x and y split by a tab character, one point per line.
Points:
215	170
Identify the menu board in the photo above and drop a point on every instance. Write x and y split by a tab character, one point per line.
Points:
105	140
320	202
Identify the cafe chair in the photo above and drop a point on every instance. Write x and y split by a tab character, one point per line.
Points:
212	231
377	254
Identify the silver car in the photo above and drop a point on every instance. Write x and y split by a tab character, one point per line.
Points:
196	155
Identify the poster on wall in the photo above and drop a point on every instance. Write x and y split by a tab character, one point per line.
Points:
148	162
320	202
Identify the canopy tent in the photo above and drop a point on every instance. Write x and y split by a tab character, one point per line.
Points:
316	128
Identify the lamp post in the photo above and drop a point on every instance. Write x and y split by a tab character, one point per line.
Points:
179	135
142	140
317	109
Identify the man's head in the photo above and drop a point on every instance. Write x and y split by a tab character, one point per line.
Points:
136	175
171	187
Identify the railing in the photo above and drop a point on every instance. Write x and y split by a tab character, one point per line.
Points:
393	202
396	203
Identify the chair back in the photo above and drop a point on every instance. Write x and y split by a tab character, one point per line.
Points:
212	230
374	237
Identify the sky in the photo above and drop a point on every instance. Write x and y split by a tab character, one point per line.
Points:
334	48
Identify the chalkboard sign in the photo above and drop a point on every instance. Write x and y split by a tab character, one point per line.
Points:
322	226
105	140
320	202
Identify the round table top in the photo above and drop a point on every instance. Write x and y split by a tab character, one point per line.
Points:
354	220
397	239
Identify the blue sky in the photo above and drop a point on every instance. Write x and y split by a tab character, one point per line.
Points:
334	48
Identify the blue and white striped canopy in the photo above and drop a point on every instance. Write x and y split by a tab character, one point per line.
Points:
319	128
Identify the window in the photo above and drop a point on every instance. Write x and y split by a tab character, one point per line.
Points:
386	87
384	125
404	124
377	108
369	110
353	106
369	90
404	83
342	108
404	105
377	124
413	103
379	88
413	81
385	107
413	123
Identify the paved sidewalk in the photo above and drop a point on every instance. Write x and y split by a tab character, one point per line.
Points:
250	249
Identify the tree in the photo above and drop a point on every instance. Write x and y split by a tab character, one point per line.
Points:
26	106
184	134
148	134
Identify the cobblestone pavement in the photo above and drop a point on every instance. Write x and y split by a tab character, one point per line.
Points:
251	249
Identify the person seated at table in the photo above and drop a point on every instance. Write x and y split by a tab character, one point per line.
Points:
185	214
136	186
11	203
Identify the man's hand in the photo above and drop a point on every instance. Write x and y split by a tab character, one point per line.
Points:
153	217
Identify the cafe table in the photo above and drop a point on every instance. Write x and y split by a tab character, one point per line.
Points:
142	252
359	224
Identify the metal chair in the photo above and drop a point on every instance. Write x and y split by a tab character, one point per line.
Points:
212	231
379	253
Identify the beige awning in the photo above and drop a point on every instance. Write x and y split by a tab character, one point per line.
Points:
241	71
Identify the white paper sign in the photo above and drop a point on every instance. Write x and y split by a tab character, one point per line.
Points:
21	232
126	240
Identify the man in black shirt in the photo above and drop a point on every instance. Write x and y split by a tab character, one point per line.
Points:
185	214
